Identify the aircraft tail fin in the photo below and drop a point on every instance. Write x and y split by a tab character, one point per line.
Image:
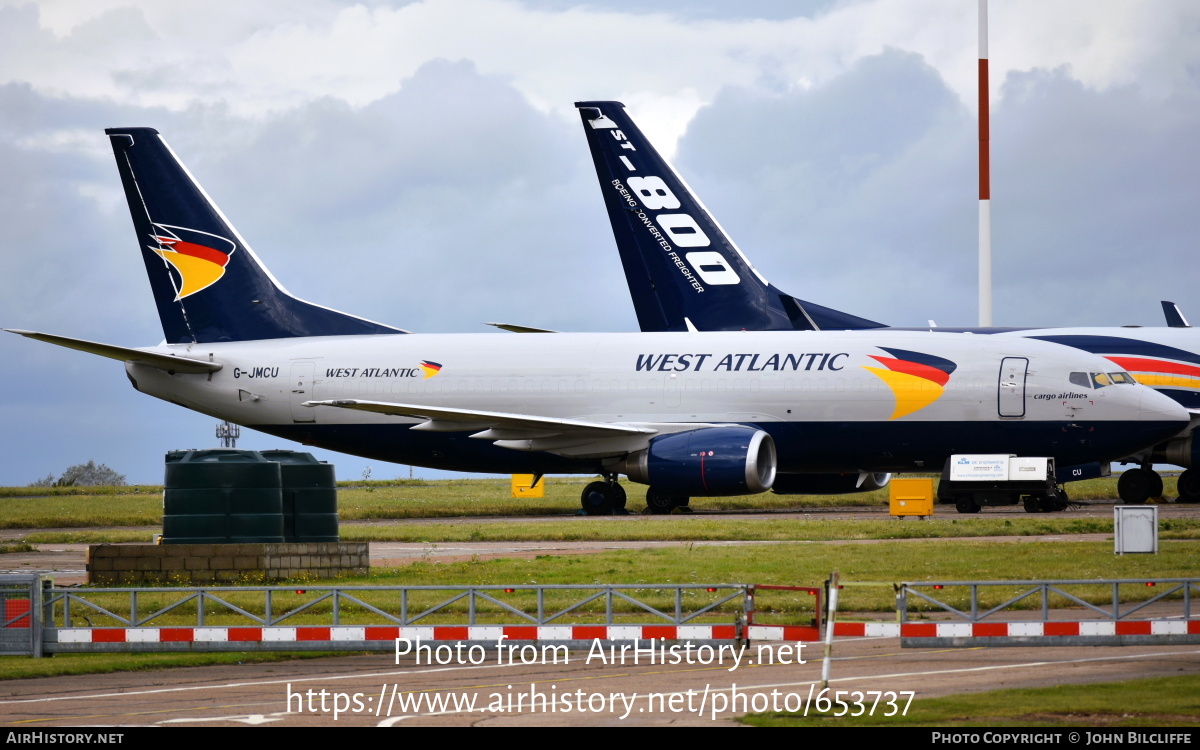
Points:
1174	315
683	270
208	284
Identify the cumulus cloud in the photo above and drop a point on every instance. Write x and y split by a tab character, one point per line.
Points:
1095	201
874	165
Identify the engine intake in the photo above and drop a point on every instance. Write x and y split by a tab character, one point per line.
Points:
708	462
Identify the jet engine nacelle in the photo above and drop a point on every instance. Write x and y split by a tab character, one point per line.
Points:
708	462
1178	451
829	484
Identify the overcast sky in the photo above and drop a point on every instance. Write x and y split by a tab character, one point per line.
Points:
421	164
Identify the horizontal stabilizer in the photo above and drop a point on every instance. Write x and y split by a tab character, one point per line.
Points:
519	329
168	362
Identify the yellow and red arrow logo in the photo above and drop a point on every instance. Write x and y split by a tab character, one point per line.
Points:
199	259
916	379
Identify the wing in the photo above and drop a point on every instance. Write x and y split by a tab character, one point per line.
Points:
525	432
168	362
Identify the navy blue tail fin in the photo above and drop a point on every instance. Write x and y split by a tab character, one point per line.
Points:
1174	315
208	284
683	271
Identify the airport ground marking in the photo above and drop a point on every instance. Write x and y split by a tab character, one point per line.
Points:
251	719
139	713
250	683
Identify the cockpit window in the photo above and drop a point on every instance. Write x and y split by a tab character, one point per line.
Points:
1100	380
1122	378
1081	379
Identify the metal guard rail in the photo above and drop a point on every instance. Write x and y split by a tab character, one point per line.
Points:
1045	589
66	601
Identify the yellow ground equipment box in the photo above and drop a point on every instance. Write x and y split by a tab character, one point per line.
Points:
523	485
911	497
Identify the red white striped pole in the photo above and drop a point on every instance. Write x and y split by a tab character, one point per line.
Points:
985	177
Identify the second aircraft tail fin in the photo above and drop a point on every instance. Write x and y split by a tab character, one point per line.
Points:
683	270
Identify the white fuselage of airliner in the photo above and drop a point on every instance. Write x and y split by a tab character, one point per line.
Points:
850	397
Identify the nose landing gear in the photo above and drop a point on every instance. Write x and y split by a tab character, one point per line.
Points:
1136	486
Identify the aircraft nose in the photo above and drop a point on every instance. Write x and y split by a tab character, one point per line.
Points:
1154	406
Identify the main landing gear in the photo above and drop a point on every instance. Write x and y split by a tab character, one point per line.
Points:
606	497
1189	486
603	498
1136	486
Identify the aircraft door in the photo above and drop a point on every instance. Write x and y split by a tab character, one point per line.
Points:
302	390
672	392
1011	398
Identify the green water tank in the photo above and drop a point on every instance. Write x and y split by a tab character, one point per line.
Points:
221	495
309	497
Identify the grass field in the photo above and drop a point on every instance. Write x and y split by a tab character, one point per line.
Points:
679	528
63	507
